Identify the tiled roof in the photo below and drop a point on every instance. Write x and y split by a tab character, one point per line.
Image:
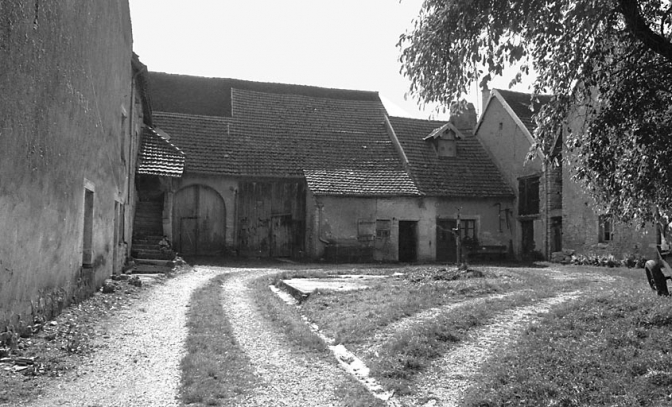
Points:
523	106
284	134
288	129
206	141
158	156
212	96
359	182
471	174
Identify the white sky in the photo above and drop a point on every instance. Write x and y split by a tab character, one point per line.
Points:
347	44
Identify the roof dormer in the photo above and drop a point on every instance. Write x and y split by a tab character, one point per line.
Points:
444	139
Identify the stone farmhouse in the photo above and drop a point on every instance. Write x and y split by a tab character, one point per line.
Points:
551	212
276	170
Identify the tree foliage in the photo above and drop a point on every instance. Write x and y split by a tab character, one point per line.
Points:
607	63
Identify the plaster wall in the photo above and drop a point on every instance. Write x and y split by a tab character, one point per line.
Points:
336	221
508	145
65	73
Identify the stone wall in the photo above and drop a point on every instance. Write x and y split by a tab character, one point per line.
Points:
65	86
580	223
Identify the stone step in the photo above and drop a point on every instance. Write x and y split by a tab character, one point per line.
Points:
148	204
150	269
154	262
152	254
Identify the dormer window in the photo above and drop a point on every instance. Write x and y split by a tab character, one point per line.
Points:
444	139
446	148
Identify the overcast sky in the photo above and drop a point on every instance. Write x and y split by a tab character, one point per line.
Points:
347	44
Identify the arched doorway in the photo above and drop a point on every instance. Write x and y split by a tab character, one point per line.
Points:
199	221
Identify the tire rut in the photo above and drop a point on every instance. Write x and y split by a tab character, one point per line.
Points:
288	379
444	383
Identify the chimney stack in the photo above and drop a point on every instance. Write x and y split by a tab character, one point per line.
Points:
485	95
464	120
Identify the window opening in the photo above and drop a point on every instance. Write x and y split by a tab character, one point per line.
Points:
606	229
468	232
87	243
383	228
528	196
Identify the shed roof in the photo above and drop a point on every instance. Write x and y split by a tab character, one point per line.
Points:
471	174
158	156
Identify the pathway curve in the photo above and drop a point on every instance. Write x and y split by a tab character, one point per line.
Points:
444	383
138	363
410	323
288	379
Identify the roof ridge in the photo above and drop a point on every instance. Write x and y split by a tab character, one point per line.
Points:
223	119
523	93
276	87
418	120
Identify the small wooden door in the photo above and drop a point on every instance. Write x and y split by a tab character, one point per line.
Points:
408	241
199	221
446	245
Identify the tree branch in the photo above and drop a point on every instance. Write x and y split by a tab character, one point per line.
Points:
641	30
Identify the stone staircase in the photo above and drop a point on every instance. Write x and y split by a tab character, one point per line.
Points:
147	234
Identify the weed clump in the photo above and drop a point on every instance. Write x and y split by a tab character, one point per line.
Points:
444	274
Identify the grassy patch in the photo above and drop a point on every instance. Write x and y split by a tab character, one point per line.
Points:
608	350
352	317
215	370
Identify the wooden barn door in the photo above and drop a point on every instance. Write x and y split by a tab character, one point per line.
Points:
281	235
199	221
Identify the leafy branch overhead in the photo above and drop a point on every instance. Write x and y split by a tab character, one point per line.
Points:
608	64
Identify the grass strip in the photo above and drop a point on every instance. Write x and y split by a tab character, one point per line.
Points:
286	318
215	370
608	350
